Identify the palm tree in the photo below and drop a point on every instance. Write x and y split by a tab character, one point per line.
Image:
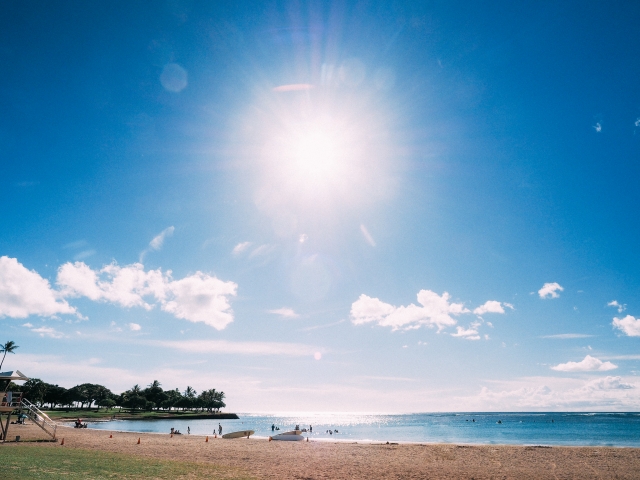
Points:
8	347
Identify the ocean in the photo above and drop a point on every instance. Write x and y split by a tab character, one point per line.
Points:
598	429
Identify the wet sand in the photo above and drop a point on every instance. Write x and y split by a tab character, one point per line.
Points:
324	460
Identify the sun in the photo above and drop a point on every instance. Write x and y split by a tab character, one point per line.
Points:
315	151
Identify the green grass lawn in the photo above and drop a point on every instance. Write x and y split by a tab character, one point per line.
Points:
19	462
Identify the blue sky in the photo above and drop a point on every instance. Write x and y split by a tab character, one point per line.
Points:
320	206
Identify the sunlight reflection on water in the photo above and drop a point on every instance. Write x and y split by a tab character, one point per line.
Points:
615	429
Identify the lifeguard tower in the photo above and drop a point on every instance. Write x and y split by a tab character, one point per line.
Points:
14	401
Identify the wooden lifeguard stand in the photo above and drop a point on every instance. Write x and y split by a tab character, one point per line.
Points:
9	401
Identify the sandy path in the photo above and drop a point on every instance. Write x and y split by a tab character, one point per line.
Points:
321	460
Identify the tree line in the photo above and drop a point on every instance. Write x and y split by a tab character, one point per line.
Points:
89	395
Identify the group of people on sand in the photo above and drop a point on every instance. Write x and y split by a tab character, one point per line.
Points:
331	433
178	432
78	424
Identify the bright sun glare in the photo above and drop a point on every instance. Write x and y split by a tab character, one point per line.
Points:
316	151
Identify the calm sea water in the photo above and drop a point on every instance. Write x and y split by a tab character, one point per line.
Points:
605	429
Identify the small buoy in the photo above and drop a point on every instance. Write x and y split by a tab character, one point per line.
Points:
111	436
207	439
138	440
62	442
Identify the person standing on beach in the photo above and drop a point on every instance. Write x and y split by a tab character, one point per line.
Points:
219	429
188	430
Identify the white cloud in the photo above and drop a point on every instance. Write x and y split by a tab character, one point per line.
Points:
550	290
157	241
367	236
598	127
629	325
125	286
241	247
285	312
197	298
436	311
589	364
637	122
468	334
24	292
566	336
201	298
134	327
614	303
492	306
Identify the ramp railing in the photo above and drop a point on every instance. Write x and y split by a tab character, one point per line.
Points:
39	417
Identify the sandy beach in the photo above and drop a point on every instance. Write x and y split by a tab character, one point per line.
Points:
324	460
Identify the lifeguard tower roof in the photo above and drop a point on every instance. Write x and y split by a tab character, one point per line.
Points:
13	375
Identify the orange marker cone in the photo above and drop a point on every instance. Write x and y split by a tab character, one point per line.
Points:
138	440
110	436
207	439
172	435
269	438
62	442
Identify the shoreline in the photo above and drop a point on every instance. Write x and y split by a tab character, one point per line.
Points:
352	441
317	460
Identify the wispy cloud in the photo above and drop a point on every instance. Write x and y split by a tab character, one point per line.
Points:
84	254
241	348
241	247
76	244
614	303
367	236
44	331
156	243
134	327
598	127
588	364
550	290
388	379
261	250
629	325
326	325
567	336
285	312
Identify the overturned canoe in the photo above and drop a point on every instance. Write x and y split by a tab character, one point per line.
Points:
287	437
240	434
